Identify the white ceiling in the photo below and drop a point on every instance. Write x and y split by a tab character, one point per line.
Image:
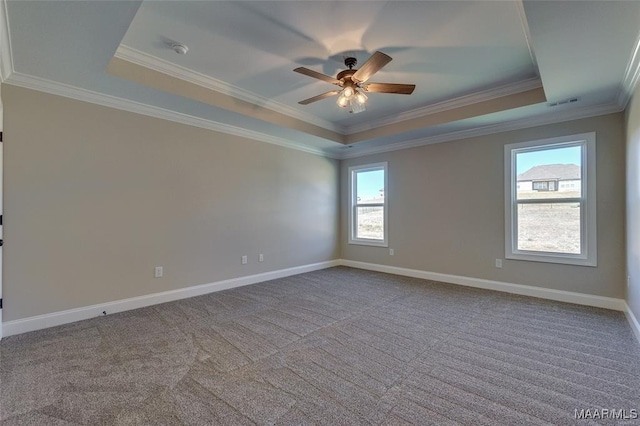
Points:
448	49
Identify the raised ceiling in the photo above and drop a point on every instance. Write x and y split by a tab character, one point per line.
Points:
447	49
477	65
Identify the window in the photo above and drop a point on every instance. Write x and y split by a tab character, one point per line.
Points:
367	205
550	200
544	185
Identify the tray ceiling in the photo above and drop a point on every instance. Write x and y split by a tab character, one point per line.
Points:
476	64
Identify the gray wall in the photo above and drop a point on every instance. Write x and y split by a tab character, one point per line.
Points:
96	197
446	210
633	202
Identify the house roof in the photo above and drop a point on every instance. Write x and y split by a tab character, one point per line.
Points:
551	171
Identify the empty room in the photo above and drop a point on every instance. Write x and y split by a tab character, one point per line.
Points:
319	212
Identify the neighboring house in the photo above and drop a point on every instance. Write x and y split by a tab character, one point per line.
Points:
550	177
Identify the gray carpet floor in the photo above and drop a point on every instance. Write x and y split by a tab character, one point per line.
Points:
339	346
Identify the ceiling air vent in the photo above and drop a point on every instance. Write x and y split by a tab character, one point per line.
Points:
563	102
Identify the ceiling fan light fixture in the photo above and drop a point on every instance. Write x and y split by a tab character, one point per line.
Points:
348	91
355	107
361	98
352	83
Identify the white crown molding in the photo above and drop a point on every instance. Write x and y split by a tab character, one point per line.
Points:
459	102
631	76
152	62
505	287
40	322
527	34
68	91
6	56
523	123
61	89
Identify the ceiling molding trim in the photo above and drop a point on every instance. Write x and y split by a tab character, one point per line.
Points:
153	62
523	123
462	101
631	76
527	34
67	91
6	55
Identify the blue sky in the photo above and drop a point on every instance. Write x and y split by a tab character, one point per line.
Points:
370	184
527	160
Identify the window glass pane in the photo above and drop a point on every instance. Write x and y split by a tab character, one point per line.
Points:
370	222
553	227
549	173
370	187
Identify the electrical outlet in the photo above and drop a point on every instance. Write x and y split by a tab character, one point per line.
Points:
392	252
261	257
244	260
498	263
158	272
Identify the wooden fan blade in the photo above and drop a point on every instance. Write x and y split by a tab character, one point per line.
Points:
372	66
319	76
401	89
319	97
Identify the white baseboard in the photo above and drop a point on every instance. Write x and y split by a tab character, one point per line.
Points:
525	290
633	321
39	322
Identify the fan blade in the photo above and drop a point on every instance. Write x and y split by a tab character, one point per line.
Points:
401	89
319	76
319	97
372	66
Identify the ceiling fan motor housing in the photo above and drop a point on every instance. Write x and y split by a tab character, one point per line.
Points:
345	75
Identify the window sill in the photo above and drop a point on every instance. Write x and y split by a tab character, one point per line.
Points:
547	258
373	243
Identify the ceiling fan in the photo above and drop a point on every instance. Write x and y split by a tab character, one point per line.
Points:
353	83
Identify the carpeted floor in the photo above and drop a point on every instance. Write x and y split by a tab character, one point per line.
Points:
339	346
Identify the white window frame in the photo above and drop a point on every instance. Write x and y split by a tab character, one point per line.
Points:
353	205
588	225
